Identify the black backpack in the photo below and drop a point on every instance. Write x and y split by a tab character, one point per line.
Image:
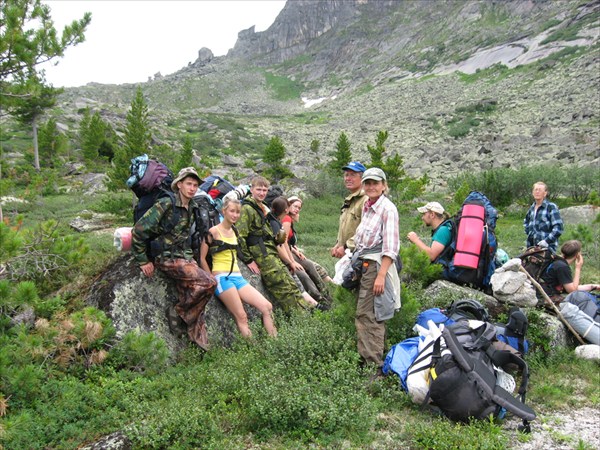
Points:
464	383
467	309
274	192
150	180
537	260
207	216
513	333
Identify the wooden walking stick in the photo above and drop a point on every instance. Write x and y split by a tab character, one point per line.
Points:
551	303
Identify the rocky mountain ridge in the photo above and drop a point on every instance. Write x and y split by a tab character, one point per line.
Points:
415	68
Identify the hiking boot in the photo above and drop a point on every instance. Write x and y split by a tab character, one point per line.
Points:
378	375
322	307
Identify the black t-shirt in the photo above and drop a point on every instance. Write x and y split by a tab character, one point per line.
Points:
556	276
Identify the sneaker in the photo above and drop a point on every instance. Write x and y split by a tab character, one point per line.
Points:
322	307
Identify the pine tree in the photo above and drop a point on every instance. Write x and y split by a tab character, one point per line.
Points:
315	144
187	153
93	138
404	186
27	39
137	142
51	142
342	154
379	149
29	108
273	156
137	134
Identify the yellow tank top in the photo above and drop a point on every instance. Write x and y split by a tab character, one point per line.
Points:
221	261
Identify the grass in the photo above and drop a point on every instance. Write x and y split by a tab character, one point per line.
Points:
304	389
282	87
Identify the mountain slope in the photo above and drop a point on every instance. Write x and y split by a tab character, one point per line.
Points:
459	85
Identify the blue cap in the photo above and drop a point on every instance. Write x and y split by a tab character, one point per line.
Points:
354	166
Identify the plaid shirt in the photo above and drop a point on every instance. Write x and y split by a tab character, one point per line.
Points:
379	226
543	225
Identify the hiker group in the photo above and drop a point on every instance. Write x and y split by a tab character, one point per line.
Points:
196	231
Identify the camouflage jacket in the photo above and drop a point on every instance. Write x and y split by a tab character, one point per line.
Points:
251	226
154	225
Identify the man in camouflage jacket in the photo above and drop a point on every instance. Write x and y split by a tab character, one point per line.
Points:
259	251
168	223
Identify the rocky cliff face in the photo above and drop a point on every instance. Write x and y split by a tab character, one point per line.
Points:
299	23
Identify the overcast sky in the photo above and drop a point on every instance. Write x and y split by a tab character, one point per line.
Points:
128	41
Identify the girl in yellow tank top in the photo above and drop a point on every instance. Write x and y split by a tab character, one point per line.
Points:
232	288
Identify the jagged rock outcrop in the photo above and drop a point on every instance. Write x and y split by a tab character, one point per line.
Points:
299	23
205	55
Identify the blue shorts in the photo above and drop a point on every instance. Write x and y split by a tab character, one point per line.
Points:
224	282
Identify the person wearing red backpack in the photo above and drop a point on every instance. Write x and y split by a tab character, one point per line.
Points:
434	216
169	224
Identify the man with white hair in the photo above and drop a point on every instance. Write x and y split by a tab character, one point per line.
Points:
434	216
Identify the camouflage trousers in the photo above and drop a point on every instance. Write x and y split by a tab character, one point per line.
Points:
195	287
279	282
370	333
311	279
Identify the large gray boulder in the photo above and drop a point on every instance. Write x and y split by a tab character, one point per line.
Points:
511	286
444	292
135	302
584	214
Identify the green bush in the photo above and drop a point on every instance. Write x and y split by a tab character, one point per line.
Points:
140	352
417	269
506	186
446	435
47	256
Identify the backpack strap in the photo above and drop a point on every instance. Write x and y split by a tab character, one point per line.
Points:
259	238
218	245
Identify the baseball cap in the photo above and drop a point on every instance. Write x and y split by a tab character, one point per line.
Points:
355	166
183	173
374	173
432	206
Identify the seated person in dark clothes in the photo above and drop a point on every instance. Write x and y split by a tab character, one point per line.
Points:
558	279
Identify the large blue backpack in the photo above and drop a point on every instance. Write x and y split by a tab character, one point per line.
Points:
479	277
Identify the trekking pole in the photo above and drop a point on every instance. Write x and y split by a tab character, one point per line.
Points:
551	303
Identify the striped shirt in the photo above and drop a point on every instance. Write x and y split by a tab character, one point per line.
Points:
379	227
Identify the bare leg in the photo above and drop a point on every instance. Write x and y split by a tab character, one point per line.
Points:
311	301
232	301
250	295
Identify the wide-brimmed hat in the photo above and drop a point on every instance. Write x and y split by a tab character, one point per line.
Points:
374	173
183	173
355	166
432	206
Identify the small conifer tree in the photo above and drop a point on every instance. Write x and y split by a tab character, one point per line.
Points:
273	156
186	155
51	142
137	141
342	154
